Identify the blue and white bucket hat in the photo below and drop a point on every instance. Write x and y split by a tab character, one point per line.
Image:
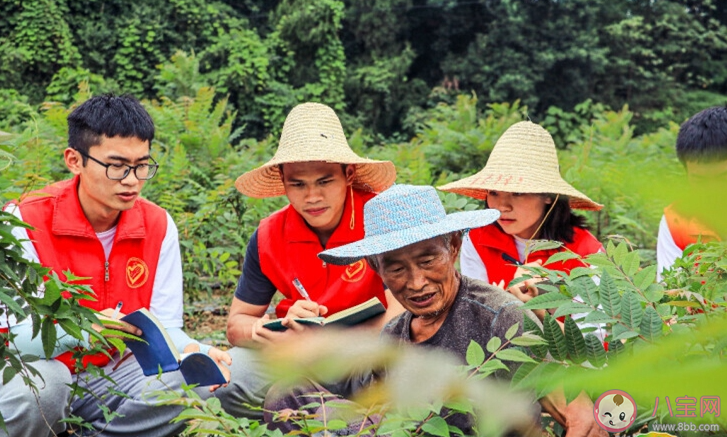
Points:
404	215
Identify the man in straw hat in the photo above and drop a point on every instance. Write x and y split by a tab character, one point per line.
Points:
413	245
523	182
327	185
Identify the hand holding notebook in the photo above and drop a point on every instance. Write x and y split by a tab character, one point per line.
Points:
157	351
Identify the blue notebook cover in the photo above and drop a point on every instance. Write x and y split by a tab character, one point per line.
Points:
157	350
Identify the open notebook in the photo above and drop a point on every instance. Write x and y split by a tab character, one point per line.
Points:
348	317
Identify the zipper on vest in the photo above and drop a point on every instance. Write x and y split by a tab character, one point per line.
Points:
324	264
106	271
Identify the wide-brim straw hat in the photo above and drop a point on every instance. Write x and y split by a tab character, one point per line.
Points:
523	160
312	132
404	215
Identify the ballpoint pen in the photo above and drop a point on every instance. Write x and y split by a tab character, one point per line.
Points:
510	259
118	308
300	289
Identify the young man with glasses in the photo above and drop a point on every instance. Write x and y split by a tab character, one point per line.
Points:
96	226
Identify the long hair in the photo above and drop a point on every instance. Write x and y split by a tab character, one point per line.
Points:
560	222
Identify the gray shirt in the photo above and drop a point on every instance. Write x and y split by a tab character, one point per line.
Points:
479	312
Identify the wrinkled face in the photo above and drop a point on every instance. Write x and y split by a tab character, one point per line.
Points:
422	276
100	196
317	191
520	213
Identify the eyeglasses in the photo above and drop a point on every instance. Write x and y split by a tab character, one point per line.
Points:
118	172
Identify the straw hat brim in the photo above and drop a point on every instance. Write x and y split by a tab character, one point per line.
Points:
477	186
264	181
389	241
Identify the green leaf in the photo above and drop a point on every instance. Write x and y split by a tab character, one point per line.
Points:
529	325
620	253
599	260
335	424
598	317
615	348
459	405
631	312
654	293
49	336
562	256
574	341
533	246
493	344
8	374
11	304
645	277
475	355
594	350
528	339
52	293
651	325
587	290
631	263
491	367
71	328
511	331
436	426
524	375
572	308
610	299
546	301
625	334
610	248
514	355
555	338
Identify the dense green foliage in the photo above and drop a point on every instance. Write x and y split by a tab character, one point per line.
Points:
377	60
428	84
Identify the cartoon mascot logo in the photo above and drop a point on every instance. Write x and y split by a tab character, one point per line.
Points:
354	272
615	410
136	273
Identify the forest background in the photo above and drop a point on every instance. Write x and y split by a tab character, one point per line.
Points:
429	84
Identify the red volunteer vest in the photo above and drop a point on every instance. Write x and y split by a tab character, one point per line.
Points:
491	242
65	240
685	231
288	249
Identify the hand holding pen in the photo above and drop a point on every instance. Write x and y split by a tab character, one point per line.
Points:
306	307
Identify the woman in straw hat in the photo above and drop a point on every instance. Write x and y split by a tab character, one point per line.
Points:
522	181
327	185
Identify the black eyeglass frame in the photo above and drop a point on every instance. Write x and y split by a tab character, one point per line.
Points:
129	168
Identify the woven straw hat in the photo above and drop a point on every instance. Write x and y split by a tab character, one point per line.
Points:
313	132
523	160
404	215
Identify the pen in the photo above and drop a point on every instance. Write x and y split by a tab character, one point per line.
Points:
508	258
118	308
300	289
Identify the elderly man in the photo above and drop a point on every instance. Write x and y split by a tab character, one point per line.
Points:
413	245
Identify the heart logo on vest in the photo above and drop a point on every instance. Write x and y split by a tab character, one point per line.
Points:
137	273
354	272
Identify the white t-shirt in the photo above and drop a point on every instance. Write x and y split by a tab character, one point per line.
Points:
667	250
